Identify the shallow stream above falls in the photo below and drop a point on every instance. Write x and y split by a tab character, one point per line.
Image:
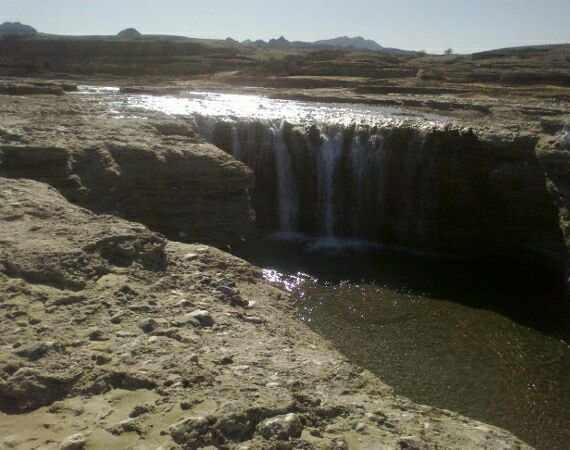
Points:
478	340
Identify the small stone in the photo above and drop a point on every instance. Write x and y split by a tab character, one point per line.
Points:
185	406
191	427
75	442
117	318
143	308
316	432
202	318
281	427
66	300
102	359
411	443
9	442
126	426
139	410
190	256
225	360
360	427
184	303
253	319
96	334
125	334
33	352
377	417
228	291
148	325
232	296
339	444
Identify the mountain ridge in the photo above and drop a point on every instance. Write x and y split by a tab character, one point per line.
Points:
341	42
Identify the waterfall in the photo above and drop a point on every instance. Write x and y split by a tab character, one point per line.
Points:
329	156
286	186
359	156
400	185
236	144
566	136
325	181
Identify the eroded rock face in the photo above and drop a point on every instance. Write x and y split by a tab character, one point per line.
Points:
75	289
157	173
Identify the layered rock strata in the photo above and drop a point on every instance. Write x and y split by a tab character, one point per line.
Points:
157	172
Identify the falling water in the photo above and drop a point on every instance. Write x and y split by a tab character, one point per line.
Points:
358	155
287	192
329	155
236	144
321	184
566	136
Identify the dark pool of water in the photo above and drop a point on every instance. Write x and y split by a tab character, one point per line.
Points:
488	342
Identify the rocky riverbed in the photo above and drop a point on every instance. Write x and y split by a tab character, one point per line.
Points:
114	337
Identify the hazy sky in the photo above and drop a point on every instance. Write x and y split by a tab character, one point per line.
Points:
433	25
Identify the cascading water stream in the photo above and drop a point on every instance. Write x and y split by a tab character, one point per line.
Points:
236	144
324	183
329	156
358	153
287	191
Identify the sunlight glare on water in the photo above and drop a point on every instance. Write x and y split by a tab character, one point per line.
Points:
290	282
255	107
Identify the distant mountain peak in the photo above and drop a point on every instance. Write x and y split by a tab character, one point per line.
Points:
129	33
280	42
342	42
357	42
16	29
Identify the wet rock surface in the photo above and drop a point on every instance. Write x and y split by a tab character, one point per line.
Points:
234	384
